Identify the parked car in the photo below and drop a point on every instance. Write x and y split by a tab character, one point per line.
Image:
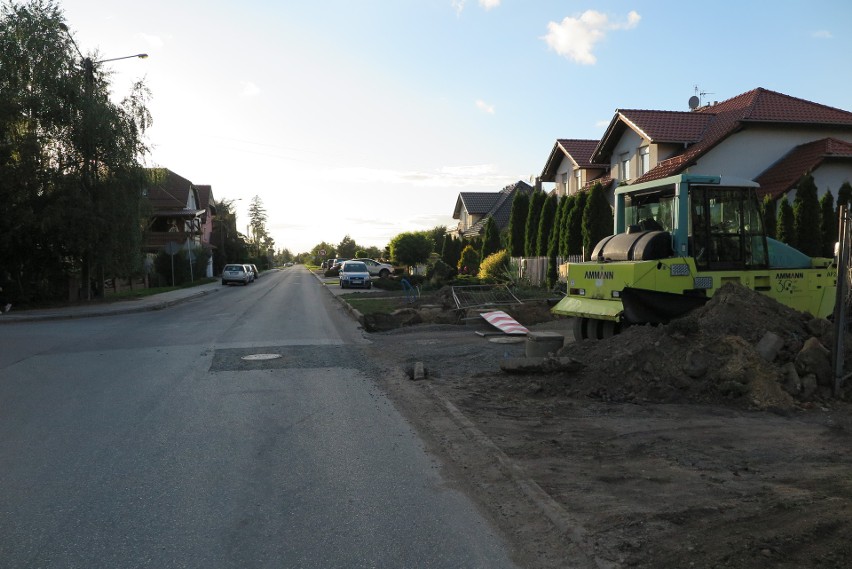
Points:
377	269
254	270
250	272
354	274
236	274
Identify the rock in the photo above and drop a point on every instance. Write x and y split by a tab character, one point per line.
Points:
819	327
696	364
809	386
419	371
790	380
815	359
769	346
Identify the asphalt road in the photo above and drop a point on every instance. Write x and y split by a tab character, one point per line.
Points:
149	440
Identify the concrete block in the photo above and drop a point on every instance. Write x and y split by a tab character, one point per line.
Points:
541	344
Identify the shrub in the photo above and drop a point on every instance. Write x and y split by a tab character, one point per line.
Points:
440	272
469	261
494	266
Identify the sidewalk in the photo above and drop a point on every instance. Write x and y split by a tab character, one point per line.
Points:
100	308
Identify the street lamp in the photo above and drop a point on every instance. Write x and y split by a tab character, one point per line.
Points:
88	145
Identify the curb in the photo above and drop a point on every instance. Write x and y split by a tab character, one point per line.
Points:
356	314
146	307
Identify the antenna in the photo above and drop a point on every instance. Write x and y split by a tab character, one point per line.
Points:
695	100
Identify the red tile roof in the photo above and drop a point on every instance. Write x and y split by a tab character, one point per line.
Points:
756	106
579	150
783	176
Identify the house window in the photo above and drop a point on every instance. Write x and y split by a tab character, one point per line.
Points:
644	160
625	166
578	179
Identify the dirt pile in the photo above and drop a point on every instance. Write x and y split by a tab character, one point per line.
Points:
711	356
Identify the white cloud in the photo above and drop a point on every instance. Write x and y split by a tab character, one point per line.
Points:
575	38
823	34
458	5
249	89
485	107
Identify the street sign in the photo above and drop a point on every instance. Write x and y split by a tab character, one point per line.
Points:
171	248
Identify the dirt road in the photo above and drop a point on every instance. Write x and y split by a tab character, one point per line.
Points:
582	473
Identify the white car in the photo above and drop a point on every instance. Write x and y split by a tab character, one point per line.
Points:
354	274
377	269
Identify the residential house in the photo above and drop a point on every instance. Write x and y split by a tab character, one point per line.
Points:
178	213
474	208
570	166
760	135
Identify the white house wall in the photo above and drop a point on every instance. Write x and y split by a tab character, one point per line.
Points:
629	143
748	153
830	176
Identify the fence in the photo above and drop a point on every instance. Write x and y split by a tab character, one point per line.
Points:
534	269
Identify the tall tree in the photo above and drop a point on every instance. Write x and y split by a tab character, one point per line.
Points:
597	219
575	224
545	225
531	230
518	224
70	159
785	229
347	247
844	195
806	217
490	239
828	224
770	216
564	232
257	223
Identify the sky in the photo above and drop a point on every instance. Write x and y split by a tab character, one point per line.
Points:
367	118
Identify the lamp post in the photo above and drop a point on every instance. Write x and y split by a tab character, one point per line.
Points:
88	173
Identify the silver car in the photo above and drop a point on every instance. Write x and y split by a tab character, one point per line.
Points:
354	274
237	274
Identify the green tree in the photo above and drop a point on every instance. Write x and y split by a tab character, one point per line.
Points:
411	248
491	239
493	267
469	261
257	226
828	224
844	195
575	224
517	224
570	202
597	219
347	248
545	225
531	229
437	234
317	257
70	160
785	228
806	217
553	246
770	216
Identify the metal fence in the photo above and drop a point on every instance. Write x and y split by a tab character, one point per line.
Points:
533	270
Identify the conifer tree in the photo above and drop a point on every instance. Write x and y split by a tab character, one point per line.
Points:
531	229
516	236
785	231
844	195
575	225
490	240
828	224
806	218
770	216
545	225
597	219
570	203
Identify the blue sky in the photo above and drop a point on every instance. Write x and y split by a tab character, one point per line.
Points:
368	117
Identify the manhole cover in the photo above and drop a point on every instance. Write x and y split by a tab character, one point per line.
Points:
255	357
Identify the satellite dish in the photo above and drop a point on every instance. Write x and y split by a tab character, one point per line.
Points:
694	102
